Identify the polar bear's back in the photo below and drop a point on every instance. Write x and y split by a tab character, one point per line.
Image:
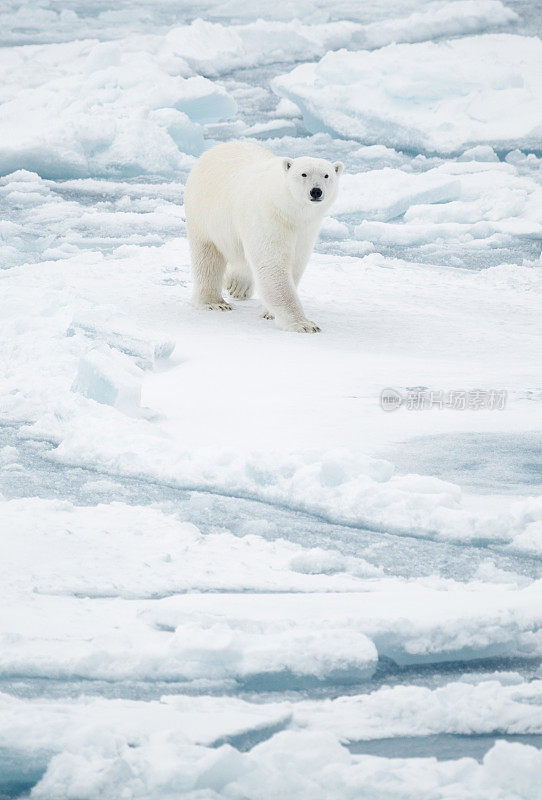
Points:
225	169
223	188
232	156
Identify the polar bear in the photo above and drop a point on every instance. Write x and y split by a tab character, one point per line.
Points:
252	219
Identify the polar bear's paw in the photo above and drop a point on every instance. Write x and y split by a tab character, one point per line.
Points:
304	326
219	305
267	315
239	288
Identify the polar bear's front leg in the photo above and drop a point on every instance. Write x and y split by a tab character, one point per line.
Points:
239	281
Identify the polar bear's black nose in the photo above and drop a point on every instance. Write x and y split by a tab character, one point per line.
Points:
316	193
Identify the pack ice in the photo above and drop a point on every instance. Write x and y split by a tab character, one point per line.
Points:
226	571
435	97
98	108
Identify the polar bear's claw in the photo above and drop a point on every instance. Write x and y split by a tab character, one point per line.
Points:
305	327
241	290
267	315
223	306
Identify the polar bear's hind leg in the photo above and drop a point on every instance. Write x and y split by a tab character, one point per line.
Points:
208	268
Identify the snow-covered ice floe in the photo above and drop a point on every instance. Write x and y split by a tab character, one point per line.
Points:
437	97
137	105
93	747
101	108
388	193
222	45
226	571
149	753
353	486
214	48
188	606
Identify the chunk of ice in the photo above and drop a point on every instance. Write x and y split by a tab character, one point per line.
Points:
92	108
109	377
436	97
384	194
117	331
482	152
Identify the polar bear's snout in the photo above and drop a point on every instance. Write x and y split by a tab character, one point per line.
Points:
316	194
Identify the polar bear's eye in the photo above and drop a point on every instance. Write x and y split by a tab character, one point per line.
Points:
326	176
303	174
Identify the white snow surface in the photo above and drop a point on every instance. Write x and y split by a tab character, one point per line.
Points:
225	568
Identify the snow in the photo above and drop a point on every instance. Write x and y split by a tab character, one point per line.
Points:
86	107
297	764
436	97
387	193
213	48
53	22
117	544
458	708
212	720
446	19
358	488
183	605
227	572
98	108
157	747
409	623
474	199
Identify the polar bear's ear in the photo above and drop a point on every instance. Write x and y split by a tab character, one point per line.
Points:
286	164
338	167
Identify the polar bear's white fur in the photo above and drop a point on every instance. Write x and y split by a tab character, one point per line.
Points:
253	218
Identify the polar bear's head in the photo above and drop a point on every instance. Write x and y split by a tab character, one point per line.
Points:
312	180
